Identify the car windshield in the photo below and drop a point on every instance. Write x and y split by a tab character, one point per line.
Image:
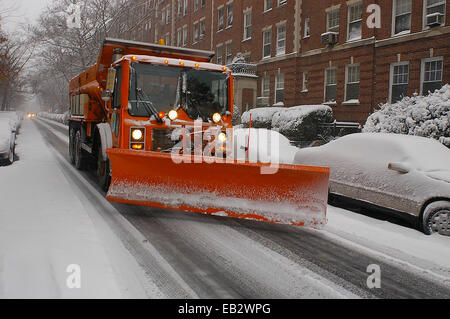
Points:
200	93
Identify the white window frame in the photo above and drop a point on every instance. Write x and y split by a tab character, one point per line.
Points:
266	7
422	70
246	26
359	3
334	68
394	16
347	67
391	76
168	14
425	12
277	82
217	54
185	35
329	13
219	9
281	2
228	15
267	44
265	92
196	32
305	79
307	29
281	50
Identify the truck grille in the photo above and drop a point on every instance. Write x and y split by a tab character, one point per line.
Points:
161	140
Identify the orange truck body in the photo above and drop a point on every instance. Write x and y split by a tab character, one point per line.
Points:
140	171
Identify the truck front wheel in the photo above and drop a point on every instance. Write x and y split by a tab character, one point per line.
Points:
72	145
103	170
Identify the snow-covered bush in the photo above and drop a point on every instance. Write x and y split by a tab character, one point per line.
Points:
297	123
427	116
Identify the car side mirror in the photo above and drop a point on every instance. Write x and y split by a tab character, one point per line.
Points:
402	168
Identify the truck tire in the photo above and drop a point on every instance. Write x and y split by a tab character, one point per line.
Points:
72	145
80	158
103	170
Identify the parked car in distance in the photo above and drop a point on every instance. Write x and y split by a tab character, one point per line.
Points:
405	175
7	141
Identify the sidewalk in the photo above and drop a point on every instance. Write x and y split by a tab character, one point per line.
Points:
44	228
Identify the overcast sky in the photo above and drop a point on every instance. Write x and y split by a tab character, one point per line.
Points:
27	12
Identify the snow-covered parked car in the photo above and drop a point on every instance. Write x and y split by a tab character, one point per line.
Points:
14	117
7	141
400	174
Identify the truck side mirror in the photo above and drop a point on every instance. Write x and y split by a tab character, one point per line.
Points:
106	95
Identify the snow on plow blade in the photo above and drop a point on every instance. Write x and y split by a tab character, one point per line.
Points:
295	195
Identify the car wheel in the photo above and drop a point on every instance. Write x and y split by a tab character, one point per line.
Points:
11	156
436	218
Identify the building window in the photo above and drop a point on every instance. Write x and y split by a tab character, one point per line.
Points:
265	86
163	16
196	5
185	11
248	25
399	81
202	29
168	15
267	5
281	2
352	83
167	38
180	7
220	18
354	21
330	84
203	3
219	54
279	88
281	39
333	21
195	32
185	35
305	82
431	75
179	38
434	7
228	53
307	31
402	16
229	14
267	39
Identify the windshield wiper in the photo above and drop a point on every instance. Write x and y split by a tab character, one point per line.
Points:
149	106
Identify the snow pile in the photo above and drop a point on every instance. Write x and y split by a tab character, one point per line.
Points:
427	116
5	135
14	117
61	118
297	123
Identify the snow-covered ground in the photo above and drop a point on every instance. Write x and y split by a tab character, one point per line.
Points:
46	229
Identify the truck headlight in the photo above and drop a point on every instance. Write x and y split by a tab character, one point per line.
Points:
137	135
173	115
222	137
216	117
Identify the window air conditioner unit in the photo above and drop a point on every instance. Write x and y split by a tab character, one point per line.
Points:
262	101
330	38
435	19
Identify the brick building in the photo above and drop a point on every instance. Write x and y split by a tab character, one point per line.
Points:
313	52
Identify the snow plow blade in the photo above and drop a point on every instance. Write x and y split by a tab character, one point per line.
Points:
295	195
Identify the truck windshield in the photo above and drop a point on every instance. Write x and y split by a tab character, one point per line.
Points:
200	93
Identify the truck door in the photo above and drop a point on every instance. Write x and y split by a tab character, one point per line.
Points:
116	108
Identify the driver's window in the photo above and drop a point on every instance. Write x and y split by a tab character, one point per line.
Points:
117	88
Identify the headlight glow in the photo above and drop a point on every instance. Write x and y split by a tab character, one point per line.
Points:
137	135
222	137
217	117
173	115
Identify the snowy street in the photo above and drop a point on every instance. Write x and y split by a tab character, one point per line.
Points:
53	217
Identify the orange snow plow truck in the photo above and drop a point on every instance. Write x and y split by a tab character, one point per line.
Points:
155	123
